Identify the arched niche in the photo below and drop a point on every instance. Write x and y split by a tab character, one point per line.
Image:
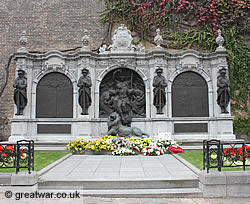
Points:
54	96
122	87
189	95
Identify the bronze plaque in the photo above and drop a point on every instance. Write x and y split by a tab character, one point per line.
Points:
189	96
54	97
190	127
54	128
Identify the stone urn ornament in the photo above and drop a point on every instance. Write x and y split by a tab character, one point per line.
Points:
23	42
220	40
158	38
85	40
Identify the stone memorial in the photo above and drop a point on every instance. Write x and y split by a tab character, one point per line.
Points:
123	89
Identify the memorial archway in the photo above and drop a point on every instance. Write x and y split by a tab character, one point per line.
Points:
124	89
54	96
189	95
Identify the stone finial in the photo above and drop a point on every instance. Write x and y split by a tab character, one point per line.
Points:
140	48
158	38
85	40
102	49
220	41
23	42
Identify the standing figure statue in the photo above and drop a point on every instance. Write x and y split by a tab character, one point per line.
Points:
84	84
160	84
20	92
223	94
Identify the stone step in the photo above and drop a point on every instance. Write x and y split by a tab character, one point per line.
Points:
101	184
135	193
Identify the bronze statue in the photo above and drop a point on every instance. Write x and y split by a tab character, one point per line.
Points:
20	92
116	128
84	84
223	93
160	84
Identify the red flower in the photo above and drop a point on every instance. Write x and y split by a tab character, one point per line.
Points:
4	155
175	149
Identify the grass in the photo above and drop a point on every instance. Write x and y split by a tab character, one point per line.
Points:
196	158
42	159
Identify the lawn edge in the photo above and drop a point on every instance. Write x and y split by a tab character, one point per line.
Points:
188	164
53	164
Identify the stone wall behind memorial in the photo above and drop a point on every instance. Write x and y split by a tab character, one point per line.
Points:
50	24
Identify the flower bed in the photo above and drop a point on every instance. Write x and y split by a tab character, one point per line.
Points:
147	146
8	155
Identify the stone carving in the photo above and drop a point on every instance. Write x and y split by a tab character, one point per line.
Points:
223	92
140	48
220	41
122	91
84	84
160	84
121	40
103	49
158	39
23	42
85	40
115	127
20	92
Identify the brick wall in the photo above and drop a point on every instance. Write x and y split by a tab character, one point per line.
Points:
50	24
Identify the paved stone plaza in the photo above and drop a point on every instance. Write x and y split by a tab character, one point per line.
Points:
103	167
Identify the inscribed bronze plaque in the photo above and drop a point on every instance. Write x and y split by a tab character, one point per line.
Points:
54	128
189	96
190	127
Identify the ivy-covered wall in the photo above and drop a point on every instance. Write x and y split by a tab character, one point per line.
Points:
193	24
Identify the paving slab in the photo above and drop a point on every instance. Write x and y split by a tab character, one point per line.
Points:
107	166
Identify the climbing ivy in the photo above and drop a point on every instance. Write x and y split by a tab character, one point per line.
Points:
194	24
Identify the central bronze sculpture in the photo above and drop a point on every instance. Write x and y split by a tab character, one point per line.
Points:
123	91
116	128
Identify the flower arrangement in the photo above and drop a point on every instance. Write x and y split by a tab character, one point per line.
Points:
165	142
77	146
139	143
175	149
120	142
124	146
123	151
98	145
152	150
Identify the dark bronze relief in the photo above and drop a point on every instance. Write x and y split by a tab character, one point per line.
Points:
189	96
54	97
84	84
223	92
123	91
20	92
